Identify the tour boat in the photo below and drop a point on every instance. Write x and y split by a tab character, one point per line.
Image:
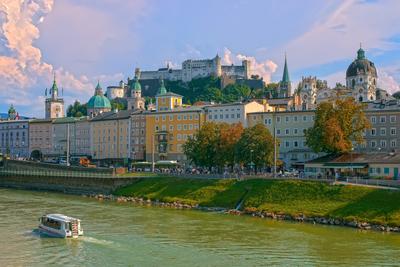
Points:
59	225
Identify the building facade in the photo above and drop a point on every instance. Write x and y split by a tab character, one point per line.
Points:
138	135
232	112
14	136
289	127
41	136
110	137
135	99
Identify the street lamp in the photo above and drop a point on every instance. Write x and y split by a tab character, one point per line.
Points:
251	160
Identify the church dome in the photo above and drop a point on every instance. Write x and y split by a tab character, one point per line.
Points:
361	65
98	101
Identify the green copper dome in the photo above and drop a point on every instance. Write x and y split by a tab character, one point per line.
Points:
98	101
162	90
136	86
11	110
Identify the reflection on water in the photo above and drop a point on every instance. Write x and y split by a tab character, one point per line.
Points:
127	235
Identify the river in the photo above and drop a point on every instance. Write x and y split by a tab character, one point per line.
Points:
127	235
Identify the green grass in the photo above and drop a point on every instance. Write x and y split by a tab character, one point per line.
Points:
288	197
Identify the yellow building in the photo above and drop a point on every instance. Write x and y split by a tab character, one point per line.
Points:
41	136
110	132
170	126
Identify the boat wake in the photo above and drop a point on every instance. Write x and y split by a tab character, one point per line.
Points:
96	241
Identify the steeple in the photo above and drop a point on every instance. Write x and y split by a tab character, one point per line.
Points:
98	89
137	87
54	88
162	90
285	77
360	53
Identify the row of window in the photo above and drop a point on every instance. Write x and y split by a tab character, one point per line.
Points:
287	119
382	119
179	127
221	110
11	126
382	131
382	143
221	116
178	117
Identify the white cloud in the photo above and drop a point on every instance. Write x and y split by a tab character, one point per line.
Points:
337	36
387	82
262	68
22	67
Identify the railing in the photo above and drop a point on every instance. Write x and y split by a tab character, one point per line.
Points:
52	173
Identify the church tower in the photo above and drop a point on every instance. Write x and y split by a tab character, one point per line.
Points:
285	86
361	78
136	101
54	106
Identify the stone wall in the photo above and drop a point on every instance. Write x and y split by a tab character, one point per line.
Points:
72	185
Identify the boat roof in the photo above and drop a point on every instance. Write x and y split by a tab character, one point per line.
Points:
60	217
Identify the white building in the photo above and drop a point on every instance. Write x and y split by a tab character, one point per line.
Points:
232	112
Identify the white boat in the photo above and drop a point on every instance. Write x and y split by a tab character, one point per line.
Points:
59	225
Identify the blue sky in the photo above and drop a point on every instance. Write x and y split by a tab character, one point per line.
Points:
82	41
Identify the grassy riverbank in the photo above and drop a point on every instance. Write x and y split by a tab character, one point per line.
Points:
279	196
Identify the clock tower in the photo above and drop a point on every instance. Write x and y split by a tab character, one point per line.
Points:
54	105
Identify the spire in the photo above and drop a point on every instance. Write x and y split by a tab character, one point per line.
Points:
137	87
98	90
360	53
285	77
54	86
162	90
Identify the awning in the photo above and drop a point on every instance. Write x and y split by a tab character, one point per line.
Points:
345	165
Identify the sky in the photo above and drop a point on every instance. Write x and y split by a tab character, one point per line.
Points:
83	41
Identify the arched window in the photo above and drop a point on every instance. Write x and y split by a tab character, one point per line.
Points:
360	99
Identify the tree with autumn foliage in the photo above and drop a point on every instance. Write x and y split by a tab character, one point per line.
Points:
229	135
337	126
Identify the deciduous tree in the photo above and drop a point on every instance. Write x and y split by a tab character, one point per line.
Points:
337	126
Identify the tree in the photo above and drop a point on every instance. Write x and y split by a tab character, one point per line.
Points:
397	95
337	126
256	145
229	135
119	104
76	110
201	149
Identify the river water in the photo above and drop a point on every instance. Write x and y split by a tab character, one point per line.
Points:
127	235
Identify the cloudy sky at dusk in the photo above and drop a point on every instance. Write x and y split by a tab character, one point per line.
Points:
85	40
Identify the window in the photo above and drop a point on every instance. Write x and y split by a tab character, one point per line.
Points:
163	118
373	131
232	116
163	127
215	116
287	144
382	119
373	144
383	131
210	117
179	137
278	119
171	127
393	143
179	127
304	118
226	116
171	117
238	116
295	144
156	128
278	131
383	143
179	117
185	127
287	119
221	116
392	119
287	131
184	117
386	171
295	118
295	131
